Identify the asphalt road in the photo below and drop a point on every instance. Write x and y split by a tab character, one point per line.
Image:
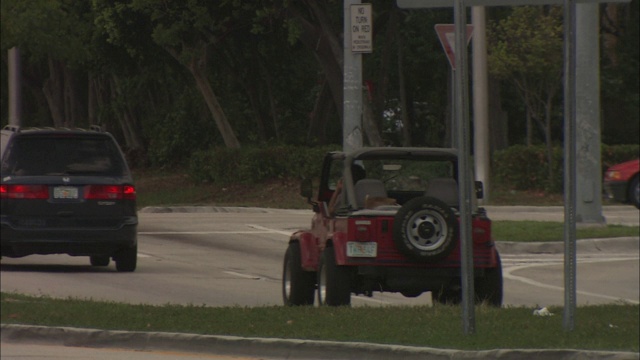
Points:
228	256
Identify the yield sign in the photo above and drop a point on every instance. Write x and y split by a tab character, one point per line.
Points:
447	36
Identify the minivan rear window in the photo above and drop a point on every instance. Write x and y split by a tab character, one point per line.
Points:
66	154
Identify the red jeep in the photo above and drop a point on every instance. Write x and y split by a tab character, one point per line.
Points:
395	230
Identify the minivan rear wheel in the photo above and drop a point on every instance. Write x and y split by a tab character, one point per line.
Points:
126	259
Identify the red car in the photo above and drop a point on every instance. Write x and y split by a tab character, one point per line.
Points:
621	182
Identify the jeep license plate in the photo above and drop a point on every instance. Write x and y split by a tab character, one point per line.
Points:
362	249
65	192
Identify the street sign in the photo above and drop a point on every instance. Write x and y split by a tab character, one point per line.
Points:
447	36
361	28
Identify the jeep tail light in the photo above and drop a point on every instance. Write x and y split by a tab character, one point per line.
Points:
24	192
109	192
363	231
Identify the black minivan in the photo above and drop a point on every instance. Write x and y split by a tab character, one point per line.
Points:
67	191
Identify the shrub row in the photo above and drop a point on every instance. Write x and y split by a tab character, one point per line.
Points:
251	165
527	167
518	167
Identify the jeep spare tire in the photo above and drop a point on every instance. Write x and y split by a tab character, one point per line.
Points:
425	229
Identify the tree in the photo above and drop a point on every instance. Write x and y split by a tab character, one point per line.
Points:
192	32
526	50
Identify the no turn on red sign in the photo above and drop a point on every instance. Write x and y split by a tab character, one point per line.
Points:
361	28
447	36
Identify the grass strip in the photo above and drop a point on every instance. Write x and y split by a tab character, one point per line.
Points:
612	327
531	231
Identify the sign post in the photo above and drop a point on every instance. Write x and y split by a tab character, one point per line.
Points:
446	34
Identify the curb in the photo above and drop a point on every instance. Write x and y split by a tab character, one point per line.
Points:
277	348
621	245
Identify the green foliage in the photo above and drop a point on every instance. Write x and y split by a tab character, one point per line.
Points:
180	130
255	164
617	154
543	231
523	167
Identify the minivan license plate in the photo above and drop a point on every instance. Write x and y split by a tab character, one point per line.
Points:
65	192
362	249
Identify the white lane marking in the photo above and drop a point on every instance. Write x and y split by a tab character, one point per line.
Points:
508	275
244	276
259	227
366	298
258	230
199	232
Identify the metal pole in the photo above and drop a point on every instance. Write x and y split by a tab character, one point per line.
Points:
454	120
464	169
569	165
15	100
481	148
352	86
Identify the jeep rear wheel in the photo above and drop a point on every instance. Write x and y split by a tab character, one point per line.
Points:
298	286
489	287
334	285
425	229
448	295
99	260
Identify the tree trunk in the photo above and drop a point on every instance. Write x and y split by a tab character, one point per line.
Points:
319	116
404	108
53	91
195	66
327	49
611	31
369	124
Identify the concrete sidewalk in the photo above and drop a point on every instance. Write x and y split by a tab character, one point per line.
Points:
275	348
613	214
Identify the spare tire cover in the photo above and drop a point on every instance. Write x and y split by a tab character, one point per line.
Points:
425	229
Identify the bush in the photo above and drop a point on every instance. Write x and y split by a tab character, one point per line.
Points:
252	165
523	167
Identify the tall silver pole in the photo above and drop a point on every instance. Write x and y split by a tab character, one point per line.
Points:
569	165
481	148
352	86
464	169
15	99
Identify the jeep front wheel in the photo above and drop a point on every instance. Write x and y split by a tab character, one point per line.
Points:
425	229
298	286
334	285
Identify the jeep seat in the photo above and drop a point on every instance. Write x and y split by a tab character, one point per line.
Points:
370	187
445	189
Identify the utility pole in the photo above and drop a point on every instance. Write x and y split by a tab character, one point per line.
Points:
589	179
352	86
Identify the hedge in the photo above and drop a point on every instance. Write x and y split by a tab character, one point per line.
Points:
518	167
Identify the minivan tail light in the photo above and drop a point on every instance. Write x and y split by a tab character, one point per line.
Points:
24	191
109	192
129	192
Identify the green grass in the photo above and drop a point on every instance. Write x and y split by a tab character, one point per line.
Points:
531	231
602	327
